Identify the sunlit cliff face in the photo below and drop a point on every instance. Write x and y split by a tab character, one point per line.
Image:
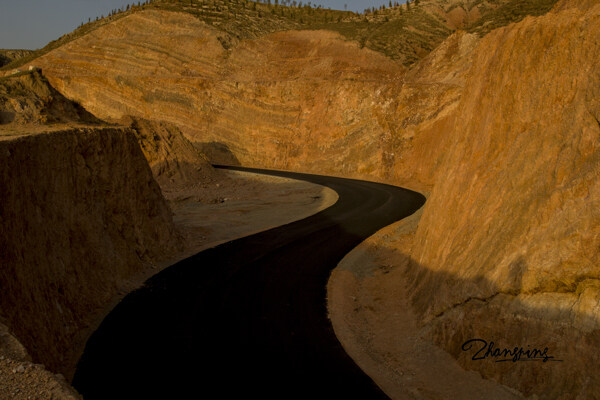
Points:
507	246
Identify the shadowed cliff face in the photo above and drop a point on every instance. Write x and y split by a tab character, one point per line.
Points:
174	161
508	244
81	214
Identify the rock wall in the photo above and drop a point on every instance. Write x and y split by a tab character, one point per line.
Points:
81	214
300	100
30	99
174	161
508	246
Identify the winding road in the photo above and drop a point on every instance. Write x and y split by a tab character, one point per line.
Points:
248	318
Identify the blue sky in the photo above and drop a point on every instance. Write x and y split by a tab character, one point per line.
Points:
31	24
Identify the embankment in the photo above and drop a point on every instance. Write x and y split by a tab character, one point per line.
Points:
81	213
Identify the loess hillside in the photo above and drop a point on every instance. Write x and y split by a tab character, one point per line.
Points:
8	56
28	98
260	101
405	33
264	97
489	105
511	230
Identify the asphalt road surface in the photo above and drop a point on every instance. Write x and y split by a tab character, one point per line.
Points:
246	319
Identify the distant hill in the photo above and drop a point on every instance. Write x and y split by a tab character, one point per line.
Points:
8	56
405	33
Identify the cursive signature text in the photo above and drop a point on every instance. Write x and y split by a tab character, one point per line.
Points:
484	350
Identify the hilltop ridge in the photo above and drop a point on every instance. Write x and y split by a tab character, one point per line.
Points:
405	33
7	56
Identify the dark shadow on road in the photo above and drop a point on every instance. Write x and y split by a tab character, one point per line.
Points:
246	318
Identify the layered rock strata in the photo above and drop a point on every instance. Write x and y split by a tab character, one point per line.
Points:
507	249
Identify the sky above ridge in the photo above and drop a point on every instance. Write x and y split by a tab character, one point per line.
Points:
31	24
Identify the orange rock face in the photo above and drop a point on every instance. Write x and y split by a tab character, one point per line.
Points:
507	249
304	100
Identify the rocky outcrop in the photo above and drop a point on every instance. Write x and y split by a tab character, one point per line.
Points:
81	214
21	379
174	161
29	99
507	249
8	56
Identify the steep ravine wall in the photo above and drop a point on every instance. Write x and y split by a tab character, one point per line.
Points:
508	246
299	100
80	214
174	161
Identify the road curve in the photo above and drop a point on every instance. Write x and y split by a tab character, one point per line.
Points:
247	318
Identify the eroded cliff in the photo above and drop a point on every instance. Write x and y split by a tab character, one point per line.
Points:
303	100
507	249
81	213
176	164
28	98
9	55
